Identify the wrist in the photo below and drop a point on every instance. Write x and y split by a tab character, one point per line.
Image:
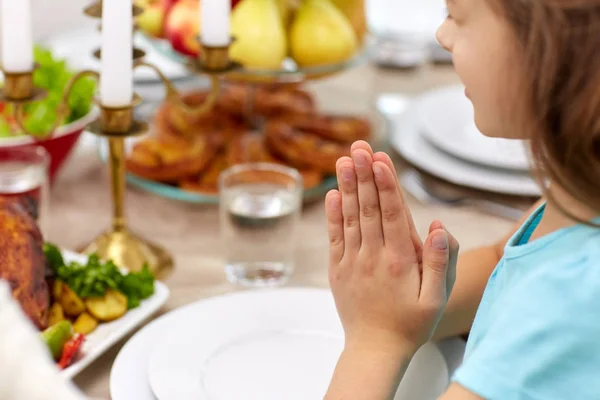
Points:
369	370
380	342
380	352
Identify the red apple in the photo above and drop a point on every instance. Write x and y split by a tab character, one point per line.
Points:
182	27
168	4
234	3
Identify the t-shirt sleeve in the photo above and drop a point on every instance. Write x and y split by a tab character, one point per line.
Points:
544	339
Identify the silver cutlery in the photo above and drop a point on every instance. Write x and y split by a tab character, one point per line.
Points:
413	183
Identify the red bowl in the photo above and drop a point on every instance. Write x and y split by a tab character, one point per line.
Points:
59	146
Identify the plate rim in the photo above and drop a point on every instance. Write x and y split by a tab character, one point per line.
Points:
168	317
430	133
244	295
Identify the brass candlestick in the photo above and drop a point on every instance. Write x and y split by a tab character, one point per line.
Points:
115	124
118	243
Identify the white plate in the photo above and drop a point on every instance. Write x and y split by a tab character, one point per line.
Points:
107	334
77	47
407	140
447	118
129	373
271	344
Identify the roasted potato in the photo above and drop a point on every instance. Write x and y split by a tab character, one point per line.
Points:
56	314
85	323
57	290
108	307
71	303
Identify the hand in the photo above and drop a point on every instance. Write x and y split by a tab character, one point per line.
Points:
390	288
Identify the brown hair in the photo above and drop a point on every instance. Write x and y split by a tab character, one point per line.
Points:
560	43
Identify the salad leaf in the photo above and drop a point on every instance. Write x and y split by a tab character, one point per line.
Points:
137	286
96	276
53	75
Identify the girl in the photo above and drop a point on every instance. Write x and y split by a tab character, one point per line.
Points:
532	71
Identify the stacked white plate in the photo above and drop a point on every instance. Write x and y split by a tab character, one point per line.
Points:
256	345
436	133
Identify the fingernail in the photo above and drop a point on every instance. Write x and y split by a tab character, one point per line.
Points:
440	241
378	172
347	174
359	159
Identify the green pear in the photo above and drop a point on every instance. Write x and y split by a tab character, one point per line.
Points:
320	34
260	40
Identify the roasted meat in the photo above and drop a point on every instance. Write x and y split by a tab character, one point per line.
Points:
22	261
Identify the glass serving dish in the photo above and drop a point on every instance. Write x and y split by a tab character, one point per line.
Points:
290	72
332	99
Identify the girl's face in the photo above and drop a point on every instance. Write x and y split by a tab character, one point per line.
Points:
485	57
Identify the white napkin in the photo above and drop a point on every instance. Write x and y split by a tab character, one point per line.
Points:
27	371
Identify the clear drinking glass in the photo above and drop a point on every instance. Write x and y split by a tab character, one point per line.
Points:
260	206
24	175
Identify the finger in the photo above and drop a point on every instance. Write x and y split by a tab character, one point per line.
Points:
335	226
396	233
384	158
451	274
452	258
339	162
368	200
361	144
350	206
434	289
435	225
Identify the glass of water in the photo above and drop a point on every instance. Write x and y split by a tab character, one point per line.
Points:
24	176
260	207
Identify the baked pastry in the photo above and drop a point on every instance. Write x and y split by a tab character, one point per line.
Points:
341	128
208	182
22	261
171	121
302	147
252	147
268	101
167	160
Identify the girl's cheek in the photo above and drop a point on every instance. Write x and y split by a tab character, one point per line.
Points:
462	62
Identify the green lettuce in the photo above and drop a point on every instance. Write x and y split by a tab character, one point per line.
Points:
93	278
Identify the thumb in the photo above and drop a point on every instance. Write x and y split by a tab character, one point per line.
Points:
436	256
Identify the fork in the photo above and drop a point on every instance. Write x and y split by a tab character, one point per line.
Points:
413	183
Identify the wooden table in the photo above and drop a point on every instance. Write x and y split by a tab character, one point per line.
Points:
81	208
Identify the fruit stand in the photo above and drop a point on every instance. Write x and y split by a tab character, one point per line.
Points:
264	112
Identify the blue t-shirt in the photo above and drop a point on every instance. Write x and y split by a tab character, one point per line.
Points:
536	334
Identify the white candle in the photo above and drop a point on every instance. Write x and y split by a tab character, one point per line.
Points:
17	36
116	74
214	22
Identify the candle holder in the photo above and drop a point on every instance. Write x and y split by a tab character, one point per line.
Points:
19	90
116	124
119	243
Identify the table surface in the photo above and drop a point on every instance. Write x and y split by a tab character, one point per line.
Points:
80	205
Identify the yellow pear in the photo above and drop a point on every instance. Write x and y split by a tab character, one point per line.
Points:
286	9
320	34
354	10
260	40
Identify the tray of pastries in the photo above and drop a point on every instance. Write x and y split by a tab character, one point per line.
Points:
184	154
